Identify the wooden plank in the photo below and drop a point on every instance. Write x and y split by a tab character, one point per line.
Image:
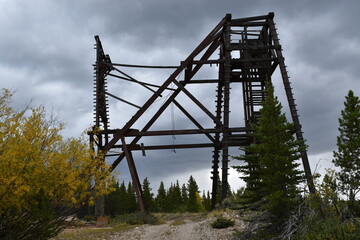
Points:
245	46
135	132
141	66
212	61
207	41
243	60
255	18
134	176
199	81
163	147
236	23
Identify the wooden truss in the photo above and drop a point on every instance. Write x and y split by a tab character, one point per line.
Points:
254	42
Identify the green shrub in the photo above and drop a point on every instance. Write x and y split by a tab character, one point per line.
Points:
320	219
329	227
89	218
42	220
222	222
135	219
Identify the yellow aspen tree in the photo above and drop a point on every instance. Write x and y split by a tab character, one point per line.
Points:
38	166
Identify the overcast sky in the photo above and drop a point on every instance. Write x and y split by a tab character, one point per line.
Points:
46	56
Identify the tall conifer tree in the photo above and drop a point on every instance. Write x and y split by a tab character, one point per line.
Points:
161	198
148	195
271	171
175	197
133	206
113	199
193	202
170	205
206	201
184	194
347	156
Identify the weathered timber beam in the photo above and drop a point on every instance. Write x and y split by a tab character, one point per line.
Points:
189	116
197	102
142	66
137	81
122	100
213	61
134	132
138	147
236	78
197	81
246	46
172	77
207	54
255	18
134	176
162	147
129	77
235	23
273	67
240	60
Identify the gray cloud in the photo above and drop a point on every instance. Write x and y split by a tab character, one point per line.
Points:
47	51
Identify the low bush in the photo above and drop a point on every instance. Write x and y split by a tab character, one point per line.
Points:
222	222
319	219
89	218
134	219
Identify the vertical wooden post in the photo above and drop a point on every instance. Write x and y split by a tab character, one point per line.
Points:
226	133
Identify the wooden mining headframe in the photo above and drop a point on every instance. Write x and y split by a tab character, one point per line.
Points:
249	53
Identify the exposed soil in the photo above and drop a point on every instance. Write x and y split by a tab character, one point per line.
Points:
180	226
186	229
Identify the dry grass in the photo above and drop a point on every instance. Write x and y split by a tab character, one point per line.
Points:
84	233
164	217
117	225
178	222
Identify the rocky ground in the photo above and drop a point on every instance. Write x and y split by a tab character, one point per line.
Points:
171	227
188	229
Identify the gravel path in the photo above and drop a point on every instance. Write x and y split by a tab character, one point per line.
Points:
188	230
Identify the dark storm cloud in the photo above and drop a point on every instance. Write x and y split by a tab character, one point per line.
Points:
47	51
323	63
39	36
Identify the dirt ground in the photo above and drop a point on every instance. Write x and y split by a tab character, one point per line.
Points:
187	229
172	227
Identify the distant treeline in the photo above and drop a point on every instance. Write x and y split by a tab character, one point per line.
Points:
177	198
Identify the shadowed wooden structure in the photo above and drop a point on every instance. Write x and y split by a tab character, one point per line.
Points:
248	51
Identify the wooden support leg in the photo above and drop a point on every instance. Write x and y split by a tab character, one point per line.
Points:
134	176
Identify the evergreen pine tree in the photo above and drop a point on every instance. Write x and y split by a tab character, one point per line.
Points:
271	171
133	206
170	205
114	200
160	199
206	201
251	174
119	200
175	198
184	194
148	195
347	156
192	203
124	201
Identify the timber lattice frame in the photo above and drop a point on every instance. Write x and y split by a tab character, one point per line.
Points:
260	54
